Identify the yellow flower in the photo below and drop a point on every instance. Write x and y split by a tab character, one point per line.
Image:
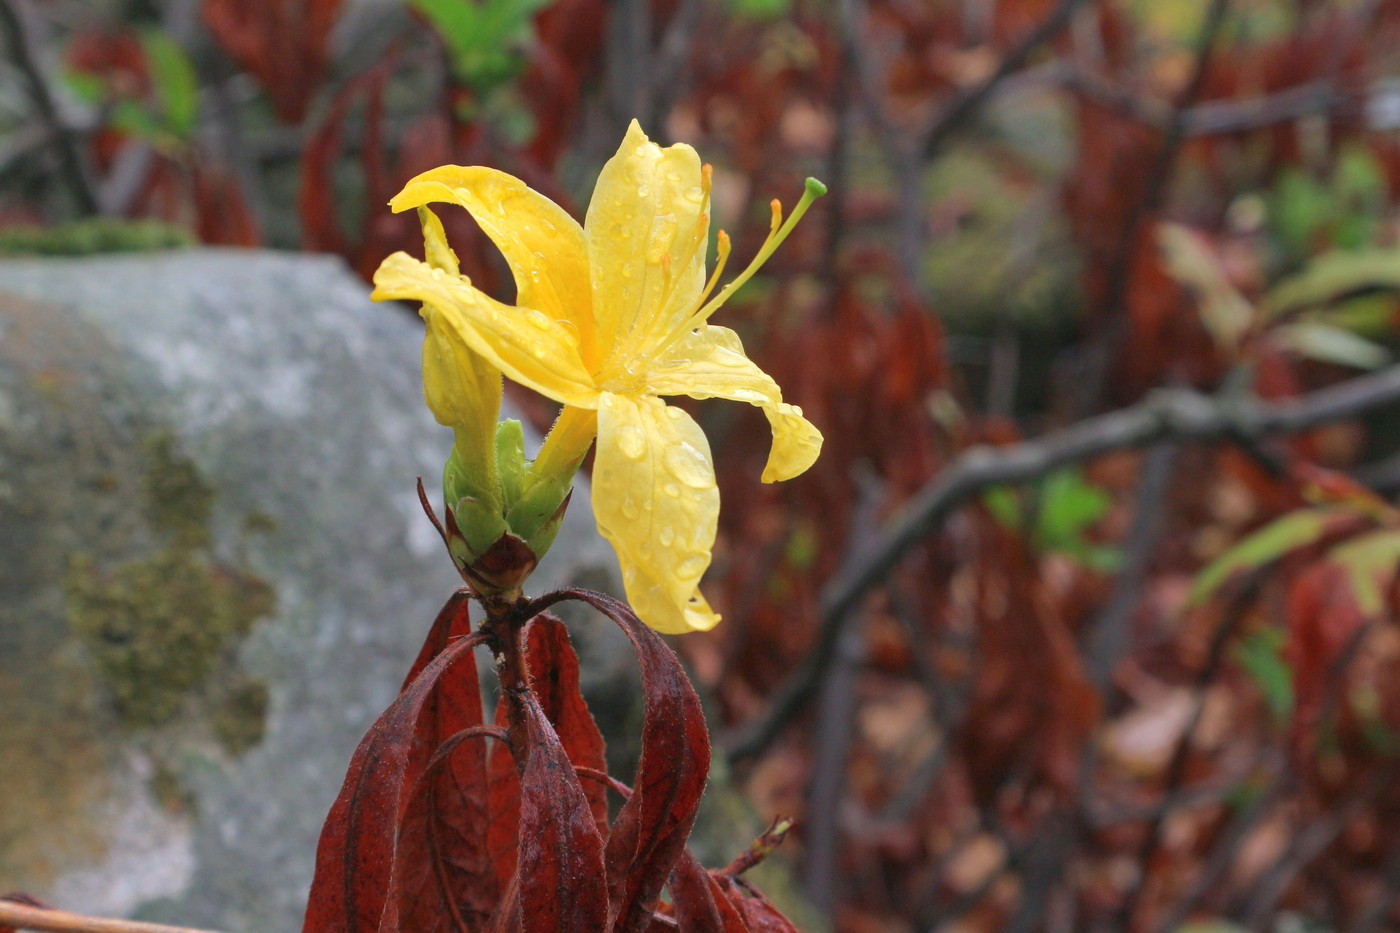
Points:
610	316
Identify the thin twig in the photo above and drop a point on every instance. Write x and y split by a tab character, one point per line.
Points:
1109	634
24	917
1176	769
74	172
835	734
1111	311
965	105
1178	415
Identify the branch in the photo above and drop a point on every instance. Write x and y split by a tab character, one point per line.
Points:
1177	415
966	104
24	917
12	16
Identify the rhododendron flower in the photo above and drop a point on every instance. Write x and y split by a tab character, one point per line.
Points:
610	317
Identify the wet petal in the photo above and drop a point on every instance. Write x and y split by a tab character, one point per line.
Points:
710	363
649	204
543	245
527	345
655	499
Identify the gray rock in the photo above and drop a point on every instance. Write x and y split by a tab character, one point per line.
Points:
214	573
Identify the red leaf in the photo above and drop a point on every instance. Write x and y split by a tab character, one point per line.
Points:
758	912
560	869
1323	617
699	901
283	43
354	859
553	668
442	877
502	805
650	831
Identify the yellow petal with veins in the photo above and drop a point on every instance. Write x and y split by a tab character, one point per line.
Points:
646	231
527	345
710	363
655	499
542	244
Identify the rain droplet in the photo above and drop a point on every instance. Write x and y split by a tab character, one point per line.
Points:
626	272
631	442
675	414
663	234
694	194
692	566
689	466
672	490
673	176
629	509
667	535
537	319
643	190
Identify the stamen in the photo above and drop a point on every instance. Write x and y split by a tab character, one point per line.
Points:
722	252
779	230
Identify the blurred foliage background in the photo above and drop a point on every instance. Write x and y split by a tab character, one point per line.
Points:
1153	684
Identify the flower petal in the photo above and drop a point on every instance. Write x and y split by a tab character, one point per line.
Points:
710	363
649	203
655	499
543	245
526	344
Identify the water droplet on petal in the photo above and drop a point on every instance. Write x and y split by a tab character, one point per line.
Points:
631	441
691	567
689	466
672	490
667	535
629	508
675	414
626	272
643	190
694	194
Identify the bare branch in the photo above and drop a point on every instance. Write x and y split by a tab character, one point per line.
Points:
12	18
1177	415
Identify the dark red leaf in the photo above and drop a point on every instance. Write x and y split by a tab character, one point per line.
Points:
699	902
502	805
563	888
554	677
443	878
760	916
354	859
283	43
650	831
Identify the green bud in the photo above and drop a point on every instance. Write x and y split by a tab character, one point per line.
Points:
499	526
510	459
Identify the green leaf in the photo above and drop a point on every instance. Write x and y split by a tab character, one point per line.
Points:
1005	506
1370	561
175	81
484	37
1330	344
1068	506
1261	656
1335	275
1292	531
